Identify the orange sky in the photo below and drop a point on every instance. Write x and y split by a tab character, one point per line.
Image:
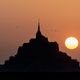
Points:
18	23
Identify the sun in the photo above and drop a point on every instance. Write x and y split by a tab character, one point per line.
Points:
71	43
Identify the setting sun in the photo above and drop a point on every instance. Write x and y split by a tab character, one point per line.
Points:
71	43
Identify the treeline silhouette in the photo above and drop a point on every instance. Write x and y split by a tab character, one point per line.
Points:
40	55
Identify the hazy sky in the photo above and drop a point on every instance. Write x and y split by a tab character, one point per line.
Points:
18	23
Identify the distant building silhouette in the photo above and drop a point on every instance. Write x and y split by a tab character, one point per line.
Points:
40	55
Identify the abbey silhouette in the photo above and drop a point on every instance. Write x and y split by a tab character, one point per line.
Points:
40	55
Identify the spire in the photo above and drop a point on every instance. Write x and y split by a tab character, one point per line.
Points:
38	32
39	35
38	26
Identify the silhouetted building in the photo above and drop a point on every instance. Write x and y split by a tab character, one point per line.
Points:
40	55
